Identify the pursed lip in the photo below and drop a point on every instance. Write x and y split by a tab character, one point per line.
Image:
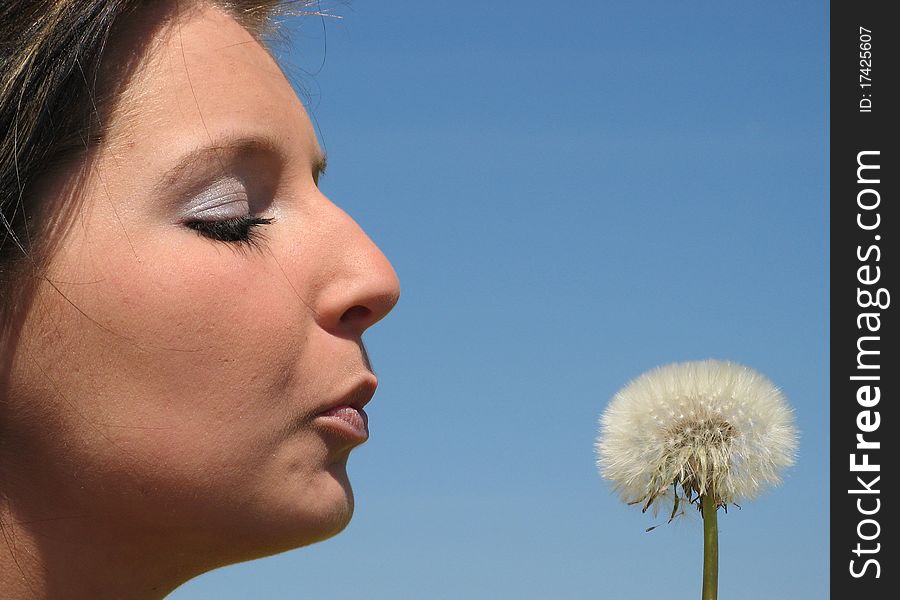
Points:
358	396
345	417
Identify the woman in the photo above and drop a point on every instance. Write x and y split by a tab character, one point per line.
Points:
182	372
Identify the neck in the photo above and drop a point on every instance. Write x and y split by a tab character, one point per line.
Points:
47	553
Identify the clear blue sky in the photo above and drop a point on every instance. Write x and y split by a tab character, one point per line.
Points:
571	193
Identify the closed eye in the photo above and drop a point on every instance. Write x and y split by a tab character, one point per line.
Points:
239	230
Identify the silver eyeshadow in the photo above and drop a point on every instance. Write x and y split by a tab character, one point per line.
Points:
226	198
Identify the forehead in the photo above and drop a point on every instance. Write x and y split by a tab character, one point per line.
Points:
201	77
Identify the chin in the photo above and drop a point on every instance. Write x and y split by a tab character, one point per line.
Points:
338	503
286	532
323	511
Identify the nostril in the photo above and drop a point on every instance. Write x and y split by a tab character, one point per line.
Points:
355	314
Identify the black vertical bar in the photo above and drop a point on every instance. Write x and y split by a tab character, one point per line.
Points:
864	230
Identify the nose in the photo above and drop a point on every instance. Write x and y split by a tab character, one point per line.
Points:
363	286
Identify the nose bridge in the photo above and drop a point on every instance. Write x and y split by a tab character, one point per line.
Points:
360	285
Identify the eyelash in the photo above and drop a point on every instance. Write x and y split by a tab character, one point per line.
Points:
239	230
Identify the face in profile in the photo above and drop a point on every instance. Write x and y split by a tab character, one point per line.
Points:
190	372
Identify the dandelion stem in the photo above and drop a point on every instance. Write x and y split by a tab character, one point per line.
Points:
710	548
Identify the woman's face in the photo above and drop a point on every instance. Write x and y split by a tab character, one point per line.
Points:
172	373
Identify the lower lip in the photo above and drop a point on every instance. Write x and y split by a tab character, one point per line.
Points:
352	422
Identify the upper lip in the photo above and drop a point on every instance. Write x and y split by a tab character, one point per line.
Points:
358	396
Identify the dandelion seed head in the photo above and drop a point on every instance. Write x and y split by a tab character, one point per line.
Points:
708	427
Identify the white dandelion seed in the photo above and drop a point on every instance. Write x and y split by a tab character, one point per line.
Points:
712	428
720	431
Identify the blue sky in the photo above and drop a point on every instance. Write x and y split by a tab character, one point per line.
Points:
571	194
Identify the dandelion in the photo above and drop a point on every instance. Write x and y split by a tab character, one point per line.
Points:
709	433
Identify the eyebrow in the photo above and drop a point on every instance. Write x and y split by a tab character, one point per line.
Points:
229	148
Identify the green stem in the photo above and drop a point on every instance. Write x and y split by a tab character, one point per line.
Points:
710	548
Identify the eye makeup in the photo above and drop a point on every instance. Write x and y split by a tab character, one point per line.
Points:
221	212
225	190
225	198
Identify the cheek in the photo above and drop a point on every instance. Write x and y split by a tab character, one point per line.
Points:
175	388
198	361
